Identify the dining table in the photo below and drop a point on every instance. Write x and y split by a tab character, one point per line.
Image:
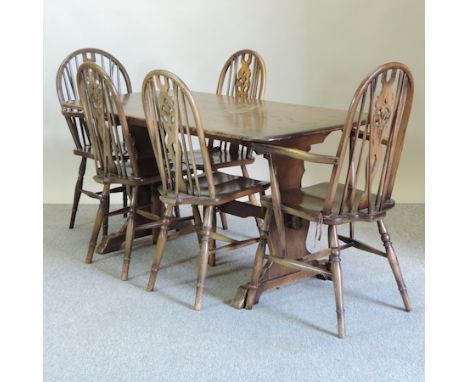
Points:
245	122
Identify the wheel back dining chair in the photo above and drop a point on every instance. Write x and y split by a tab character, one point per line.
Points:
243	76
360	187
172	116
67	92
113	152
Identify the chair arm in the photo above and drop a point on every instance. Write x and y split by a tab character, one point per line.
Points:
294	153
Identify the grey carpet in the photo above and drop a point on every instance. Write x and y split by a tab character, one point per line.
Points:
98	328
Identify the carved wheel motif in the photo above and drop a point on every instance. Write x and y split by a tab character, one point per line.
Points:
97	107
167	110
243	78
167	115
95	92
381	116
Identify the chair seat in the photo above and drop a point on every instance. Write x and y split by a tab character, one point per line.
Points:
308	203
228	187
223	158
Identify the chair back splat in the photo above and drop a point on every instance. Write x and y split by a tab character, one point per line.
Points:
171	113
372	141
243	76
112	144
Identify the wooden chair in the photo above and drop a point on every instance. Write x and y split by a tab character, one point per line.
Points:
113	153
360	187
69	99
171	116
243	76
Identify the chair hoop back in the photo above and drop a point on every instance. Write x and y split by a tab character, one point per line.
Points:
67	90
66	75
172	115
372	141
243	76
110	137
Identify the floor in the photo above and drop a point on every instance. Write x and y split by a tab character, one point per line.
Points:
99	328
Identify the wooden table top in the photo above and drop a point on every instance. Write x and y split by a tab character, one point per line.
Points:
250	120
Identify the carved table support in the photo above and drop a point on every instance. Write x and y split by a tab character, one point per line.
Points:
289	175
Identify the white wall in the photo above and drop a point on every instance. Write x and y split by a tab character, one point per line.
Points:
316	53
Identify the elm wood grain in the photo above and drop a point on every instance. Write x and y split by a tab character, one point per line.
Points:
169	110
247	121
359	189
67	93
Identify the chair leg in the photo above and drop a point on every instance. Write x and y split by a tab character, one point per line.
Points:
212	244
125	200
258	262
97	224
224	222
252	198
203	262
393	260
105	223
198	223
78	187
335	262
351	230
130	234
160	246
155	211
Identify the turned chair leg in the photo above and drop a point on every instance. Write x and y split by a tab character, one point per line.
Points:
97	224
351	230
77	194
105	223
160	246
198	223
393	260
212	244
203	261
224	222
125	199
154	211
130	234
335	263
258	262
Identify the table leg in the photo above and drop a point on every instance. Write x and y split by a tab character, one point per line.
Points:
289	174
